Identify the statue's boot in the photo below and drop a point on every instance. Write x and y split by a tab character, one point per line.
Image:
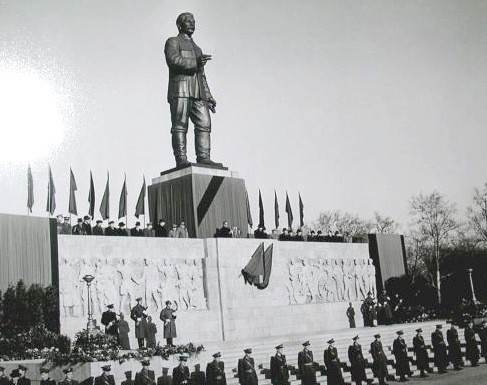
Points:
203	146
179	148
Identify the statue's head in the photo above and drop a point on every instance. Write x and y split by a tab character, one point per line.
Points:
185	23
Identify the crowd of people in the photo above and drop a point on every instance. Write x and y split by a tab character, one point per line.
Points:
385	311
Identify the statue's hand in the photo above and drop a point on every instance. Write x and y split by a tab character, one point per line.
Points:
203	59
212	105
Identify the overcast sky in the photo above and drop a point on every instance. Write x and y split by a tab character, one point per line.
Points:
357	105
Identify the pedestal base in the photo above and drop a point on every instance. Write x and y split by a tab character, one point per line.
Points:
202	197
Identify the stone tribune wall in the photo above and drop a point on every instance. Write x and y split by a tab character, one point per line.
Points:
309	289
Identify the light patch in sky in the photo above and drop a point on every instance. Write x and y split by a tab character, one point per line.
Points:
31	122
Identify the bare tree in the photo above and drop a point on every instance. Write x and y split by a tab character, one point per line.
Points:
477	214
345	223
384	225
434	218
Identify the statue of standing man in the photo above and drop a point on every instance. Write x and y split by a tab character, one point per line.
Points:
188	93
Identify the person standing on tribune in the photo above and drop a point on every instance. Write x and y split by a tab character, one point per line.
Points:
167	316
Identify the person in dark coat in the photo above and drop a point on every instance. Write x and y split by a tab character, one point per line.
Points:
260	233
471	350
151	333
299	236
368	310
284	236
122	231
379	366
215	371
307	366
98	230
128	378
439	349
279	369
421	352
105	378
165	379
198	377
357	362
454	347
145	376
400	351
351	315
66	227
180	374
483	340
332	363
246	369
224	232
68	379
160	229
139	315
168	317
149	231
109	320
87	225
4	379
384	314
111	230
136	231
78	229
45	379
23	380
123	333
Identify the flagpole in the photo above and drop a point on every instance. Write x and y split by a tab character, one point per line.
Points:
126	211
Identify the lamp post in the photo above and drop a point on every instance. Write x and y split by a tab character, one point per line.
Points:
88	278
474	299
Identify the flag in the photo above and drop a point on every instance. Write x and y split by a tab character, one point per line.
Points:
301	212
51	194
289	212
140	206
91	197
72	198
258	270
249	214
30	189
105	201
261	211
122	205
276	210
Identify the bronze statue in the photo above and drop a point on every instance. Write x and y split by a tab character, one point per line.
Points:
188	93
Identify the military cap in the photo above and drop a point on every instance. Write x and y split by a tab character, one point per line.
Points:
99	221
183	358
111	222
279	346
106	368
439	326
355	338
15	373
248	350
44	370
377	335
168	302
419	330
399	332
137	223
80	220
306	343
67	370
86	217
217	354
331	341
121	224
110	306
138	299
22	367
128	373
145	362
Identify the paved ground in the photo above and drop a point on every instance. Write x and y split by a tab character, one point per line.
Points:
467	376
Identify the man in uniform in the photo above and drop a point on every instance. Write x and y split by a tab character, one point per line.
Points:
279	369
421	353
4	380
23	380
145	376
307	366
111	230
454	347
105	378
188	93
128	378
180	374
149	231
224	232
332	362
357	362
246	369
160	230
87	225
66	227
109	320
78	228
198	377
367	310
483	339
45	379
139	315
168	317
98	230
151	333
215	371
122	231
68	379
165	379
471	350
400	351
136	231
439	348
380	360
351	315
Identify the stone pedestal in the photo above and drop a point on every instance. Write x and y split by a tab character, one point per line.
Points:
202	197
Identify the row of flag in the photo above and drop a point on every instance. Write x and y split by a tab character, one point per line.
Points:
105	201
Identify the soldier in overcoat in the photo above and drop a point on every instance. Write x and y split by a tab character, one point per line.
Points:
357	362
23	380
180	374
246	369
45	379
332	362
168	317
421	352
279	369
400	351
109	320
454	347
68	379
215	371
380	360
4	379
439	349
307	366
105	378
139	315
145	376
472	350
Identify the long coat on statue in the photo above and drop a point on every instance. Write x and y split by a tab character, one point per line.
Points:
167	316
421	353
379	366
105	380
454	347
357	363
307	367
279	370
138	315
180	375
439	348
215	373
246	371
400	351
333	371
145	377
472	350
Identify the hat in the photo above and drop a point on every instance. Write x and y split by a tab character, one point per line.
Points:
106	368
44	370
121	224
248	350
331	341
306	343
217	354
67	370
110	306
279	346
111	222
439	326
22	367
137	223
138	299
99	221
167	302
399	332
419	330
376	335
355	338
145	362
183	358
128	373
80	220
86	217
